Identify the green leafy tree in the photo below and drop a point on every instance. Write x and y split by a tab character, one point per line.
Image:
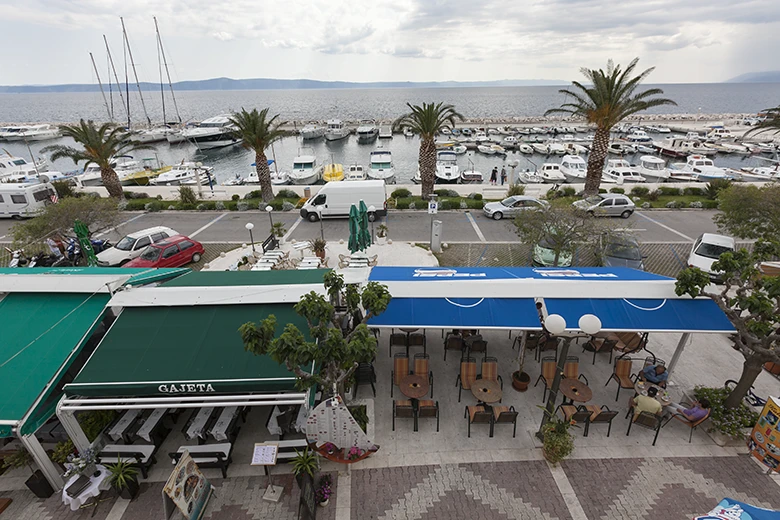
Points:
257	132
100	146
98	214
770	124
608	97
748	211
750	300
335	353
428	120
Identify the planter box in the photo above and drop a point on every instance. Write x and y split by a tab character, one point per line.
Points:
726	440
39	485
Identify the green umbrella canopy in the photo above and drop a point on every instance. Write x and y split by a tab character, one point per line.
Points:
364	237
354	232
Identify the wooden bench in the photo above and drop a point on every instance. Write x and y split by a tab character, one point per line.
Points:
287	448
208	455
270	243
142	453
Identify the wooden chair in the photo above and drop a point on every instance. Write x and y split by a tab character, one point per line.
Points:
490	371
621	373
546	343
505	414
683	419
453	342
417	339
467	376
422	368
478	415
429	408
549	366
477	345
598	345
604	415
571	369
646	420
400	370
364	374
630	342
403	410
397	340
578	414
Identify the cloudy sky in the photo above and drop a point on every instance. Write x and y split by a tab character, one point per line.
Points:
688	41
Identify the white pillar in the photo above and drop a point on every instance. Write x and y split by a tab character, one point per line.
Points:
47	467
678	352
72	427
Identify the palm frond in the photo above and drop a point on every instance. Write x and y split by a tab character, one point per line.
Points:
770	124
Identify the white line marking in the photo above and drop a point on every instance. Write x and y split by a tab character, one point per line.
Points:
2	237
567	492
286	236
475	226
203	228
107	231
686	237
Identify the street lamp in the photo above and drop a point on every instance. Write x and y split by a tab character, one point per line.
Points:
372	211
269	209
198	166
249	226
556	325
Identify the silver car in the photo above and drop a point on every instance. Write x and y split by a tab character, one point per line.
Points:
607	205
620	251
513	206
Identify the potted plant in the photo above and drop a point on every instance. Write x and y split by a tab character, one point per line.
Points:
558	442
37	483
329	448
63	450
305	462
318	246
124	478
324	490
381	234
354	453
520	379
83	463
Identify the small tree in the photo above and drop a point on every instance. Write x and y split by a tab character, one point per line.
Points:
750	211
98	214
339	340
750	300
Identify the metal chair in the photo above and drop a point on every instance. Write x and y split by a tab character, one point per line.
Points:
505	414
490	371
467	376
476	345
546	343
549	366
453	342
652	360
571	369
402	409
621	373
578	414
397	340
478	415
400	370
598	345
422	368
417	339
604	415
646	420
364	374
683	419
429	408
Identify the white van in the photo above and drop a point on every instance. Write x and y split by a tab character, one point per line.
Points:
24	200
335	198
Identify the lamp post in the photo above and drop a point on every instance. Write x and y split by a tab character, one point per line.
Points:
249	226
372	211
269	209
198	166
556	325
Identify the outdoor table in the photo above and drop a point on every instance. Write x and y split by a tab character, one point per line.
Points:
486	391
145	431
641	387
301	246
118	431
96	485
414	386
221	427
261	267
198	424
575	390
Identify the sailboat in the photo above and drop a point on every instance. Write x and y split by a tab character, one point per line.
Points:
172	134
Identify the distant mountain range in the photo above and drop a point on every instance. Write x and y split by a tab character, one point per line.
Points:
772	76
281	84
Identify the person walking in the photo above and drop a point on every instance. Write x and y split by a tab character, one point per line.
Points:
503	175
493	175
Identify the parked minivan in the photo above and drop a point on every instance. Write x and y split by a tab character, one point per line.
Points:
132	245
335	198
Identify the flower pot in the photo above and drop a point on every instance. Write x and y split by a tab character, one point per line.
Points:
38	484
520	381
130	491
380	241
320	254
324	503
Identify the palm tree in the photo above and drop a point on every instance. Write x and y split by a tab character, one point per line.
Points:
100	145
771	123
609	99
257	133
427	120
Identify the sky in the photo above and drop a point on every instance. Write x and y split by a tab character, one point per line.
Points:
688	41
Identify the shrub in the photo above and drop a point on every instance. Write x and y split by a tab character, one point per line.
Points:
187	195
602	190
569	191
669	191
654	195
287	206
639	191
710	204
696	204
203	206
276	204
219	205
617	190
401	193
402	204
65	189
242	206
646	205
515	189
715	186
135	205
447	204
232	205
463	205
254	194
475	204
412	205
278	229
285	193
672	204
728	421
171	207
475	196
158	197
136	195
153	206
236	197
185	206
447	193
693	191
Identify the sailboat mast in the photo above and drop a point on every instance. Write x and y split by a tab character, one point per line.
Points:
162	89
105	101
118	84
110	89
127	83
167	72
135	73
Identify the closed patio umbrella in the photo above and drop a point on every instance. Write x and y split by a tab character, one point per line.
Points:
354	229
364	236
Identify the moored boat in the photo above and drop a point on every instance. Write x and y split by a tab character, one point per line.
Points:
381	166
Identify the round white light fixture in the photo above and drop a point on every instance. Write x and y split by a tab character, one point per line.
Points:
371	209
590	324
555	324
250	226
198	164
269	209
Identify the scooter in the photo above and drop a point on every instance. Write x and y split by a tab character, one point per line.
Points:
17	258
43	260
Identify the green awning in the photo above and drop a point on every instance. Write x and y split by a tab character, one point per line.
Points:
240	278
169	351
41	335
138	276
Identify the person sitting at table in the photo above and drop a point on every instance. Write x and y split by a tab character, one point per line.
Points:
696	412
655	374
646	403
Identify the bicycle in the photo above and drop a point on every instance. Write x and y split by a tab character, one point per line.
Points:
750	398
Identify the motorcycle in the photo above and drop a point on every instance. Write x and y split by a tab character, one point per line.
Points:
43	260
18	259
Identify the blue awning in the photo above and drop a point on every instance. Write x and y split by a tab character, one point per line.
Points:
473	313
428	274
620	314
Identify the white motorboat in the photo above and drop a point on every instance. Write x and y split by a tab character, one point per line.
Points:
36	133
367	131
509	140
481	137
305	170
471	176
459	149
525	148
417	179
446	131
408	132
574	168
736	148
760	173
681	147
542	148
11	165
720	133
620	171
385	132
765	147
153	135
336	130
447	167
638	136
9	133
492	149
653	169
279	178
529	176
123	166
575	149
183	174
556	148
312	131
176	136
444	144
718	147
643	148
355	172
618	148
381	166
215	132
700	168
466	131
551	173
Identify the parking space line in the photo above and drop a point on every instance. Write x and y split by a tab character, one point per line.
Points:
208	225
686	237
475	226
107	231
2	237
287	235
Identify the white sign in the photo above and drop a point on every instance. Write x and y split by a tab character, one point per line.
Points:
433	207
264	454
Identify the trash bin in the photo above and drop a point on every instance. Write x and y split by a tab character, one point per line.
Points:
436	236
307	192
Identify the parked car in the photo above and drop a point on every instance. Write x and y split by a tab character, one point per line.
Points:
513	206
544	255
707	249
132	245
620	251
607	205
175	251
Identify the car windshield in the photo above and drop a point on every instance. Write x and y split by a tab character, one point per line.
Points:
547	243
711	250
151	254
508	202
623	250
594	199
126	244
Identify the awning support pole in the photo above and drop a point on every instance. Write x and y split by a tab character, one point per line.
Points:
678	352
49	470
72	427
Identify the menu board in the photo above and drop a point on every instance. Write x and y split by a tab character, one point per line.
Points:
187	489
307	503
764	442
264	454
331	421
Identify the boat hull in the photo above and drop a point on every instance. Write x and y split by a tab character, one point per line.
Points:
336	136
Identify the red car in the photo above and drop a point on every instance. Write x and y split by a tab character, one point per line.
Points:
174	251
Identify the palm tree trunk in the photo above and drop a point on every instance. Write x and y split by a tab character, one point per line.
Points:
596	161
427	165
264	175
111	183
